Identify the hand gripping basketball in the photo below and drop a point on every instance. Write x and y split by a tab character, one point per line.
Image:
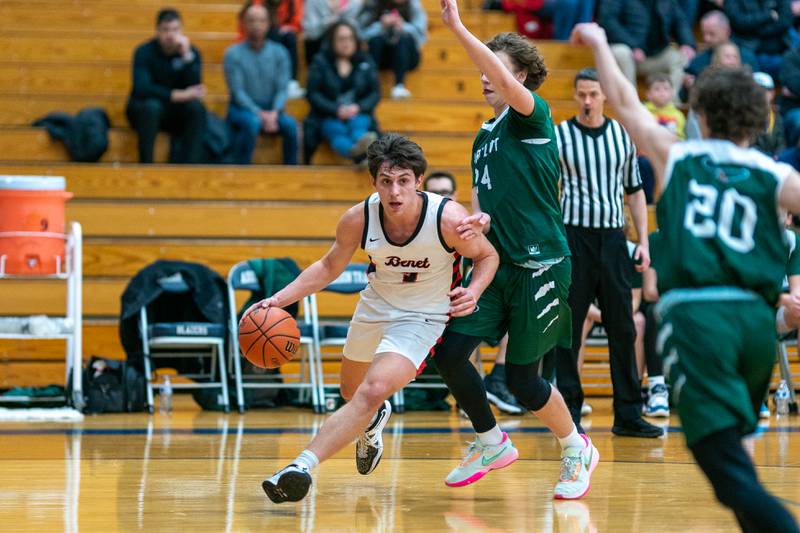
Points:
268	335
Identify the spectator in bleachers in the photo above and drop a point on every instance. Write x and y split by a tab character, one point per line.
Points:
285	17
395	31
640	31
257	72
565	14
343	91
790	97
319	16
716	30
167	93
724	55
661	104
772	141
763	27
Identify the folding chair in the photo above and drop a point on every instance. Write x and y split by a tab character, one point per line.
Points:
183	340
334	333
241	277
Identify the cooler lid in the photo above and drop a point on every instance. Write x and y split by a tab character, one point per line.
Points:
33	183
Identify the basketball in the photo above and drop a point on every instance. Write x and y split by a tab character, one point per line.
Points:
269	337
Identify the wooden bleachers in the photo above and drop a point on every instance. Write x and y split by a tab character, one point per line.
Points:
57	56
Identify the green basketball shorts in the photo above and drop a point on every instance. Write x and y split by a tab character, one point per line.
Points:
718	346
530	305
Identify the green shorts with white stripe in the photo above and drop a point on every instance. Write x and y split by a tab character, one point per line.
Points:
528	304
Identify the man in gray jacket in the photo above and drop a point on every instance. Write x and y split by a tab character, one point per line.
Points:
257	72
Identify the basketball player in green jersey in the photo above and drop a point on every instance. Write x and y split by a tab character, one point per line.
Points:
516	203
720	265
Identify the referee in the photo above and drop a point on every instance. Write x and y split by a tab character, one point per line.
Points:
598	165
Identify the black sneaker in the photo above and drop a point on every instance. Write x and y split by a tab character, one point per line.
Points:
636	428
290	484
369	446
497	393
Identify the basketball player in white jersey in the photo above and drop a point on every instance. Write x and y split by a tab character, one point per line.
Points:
414	244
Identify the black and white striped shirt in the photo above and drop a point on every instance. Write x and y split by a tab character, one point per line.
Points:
597	165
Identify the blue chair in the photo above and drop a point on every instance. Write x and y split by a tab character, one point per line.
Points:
184	340
242	278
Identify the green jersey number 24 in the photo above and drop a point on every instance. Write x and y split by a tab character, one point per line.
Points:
483	179
706	200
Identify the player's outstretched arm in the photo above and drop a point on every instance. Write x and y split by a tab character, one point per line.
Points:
652	139
322	272
463	300
504	83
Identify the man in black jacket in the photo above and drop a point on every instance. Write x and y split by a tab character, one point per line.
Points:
640	32
167	94
763	27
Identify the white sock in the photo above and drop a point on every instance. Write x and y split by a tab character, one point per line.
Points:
652	381
307	459
572	440
493	437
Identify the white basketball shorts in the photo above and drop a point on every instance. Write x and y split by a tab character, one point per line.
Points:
378	327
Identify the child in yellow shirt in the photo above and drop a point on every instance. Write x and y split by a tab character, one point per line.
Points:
660	97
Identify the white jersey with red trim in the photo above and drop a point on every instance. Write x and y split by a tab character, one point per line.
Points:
415	276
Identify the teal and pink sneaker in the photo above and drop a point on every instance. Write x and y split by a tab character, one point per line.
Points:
480	459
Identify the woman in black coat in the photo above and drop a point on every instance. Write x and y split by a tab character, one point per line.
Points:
343	91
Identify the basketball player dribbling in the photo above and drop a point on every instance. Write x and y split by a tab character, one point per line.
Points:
414	243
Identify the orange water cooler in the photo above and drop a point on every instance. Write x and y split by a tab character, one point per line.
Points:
32	238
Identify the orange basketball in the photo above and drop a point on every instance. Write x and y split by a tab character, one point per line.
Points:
268	337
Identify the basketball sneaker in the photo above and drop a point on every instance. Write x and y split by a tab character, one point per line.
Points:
369	446
498	394
586	409
289	484
577	465
763	412
658	403
480	459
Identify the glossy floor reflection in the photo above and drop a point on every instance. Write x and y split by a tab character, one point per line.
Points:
195	471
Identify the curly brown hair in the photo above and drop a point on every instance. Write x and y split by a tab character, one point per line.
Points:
733	104
398	152
524	55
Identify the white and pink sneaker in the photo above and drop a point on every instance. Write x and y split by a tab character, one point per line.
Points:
480	459
577	465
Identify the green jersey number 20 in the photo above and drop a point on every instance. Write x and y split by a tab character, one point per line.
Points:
734	210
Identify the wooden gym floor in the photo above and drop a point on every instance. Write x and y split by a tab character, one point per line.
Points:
197	471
